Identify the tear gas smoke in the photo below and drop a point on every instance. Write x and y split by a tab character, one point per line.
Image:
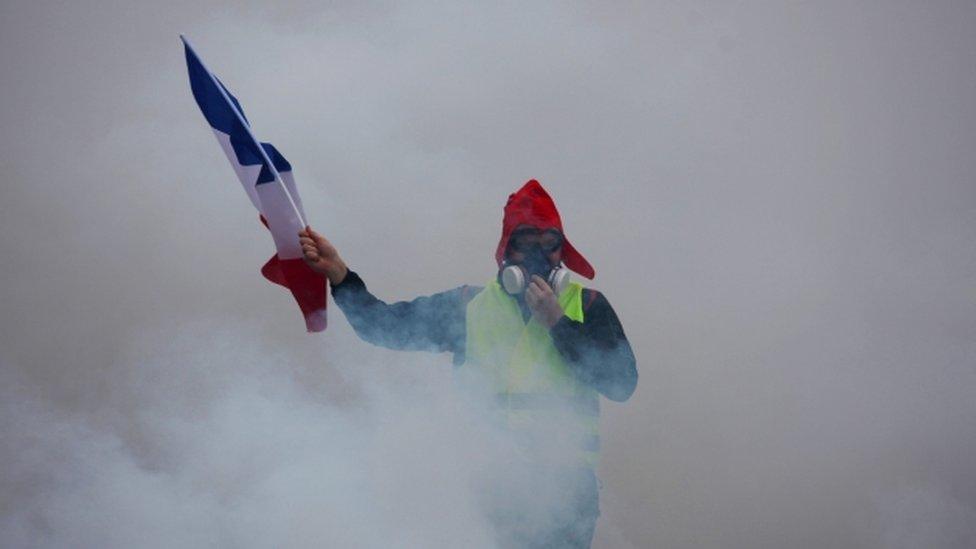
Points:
778	198
225	448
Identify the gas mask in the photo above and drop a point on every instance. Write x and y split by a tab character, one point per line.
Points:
515	277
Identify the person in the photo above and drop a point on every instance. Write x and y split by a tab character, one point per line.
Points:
542	346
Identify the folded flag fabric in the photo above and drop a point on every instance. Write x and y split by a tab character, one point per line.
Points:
268	182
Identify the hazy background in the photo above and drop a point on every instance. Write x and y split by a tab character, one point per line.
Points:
778	197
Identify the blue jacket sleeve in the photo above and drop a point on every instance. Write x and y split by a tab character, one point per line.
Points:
431	323
597	349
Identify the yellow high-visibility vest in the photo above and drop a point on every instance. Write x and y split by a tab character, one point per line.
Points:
532	384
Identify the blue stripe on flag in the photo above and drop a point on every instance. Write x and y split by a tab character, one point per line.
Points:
237	103
222	118
215	109
279	161
247	157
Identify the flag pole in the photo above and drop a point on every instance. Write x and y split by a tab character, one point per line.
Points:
247	128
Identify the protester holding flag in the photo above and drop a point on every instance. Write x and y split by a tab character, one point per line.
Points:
543	346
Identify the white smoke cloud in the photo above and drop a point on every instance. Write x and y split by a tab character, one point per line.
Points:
778	200
917	516
224	447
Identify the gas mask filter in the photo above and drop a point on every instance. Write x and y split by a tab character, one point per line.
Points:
514	281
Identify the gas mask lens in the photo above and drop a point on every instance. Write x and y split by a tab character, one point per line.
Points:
524	240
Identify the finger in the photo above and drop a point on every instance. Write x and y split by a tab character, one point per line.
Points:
544	288
312	256
538	280
538	284
318	238
536	288
306	241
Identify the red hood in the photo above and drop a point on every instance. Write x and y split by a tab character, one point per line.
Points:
532	205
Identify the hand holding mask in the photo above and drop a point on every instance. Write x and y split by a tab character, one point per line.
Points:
543	302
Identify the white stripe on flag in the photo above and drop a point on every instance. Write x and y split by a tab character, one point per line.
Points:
282	221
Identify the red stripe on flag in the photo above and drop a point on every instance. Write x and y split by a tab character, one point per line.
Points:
306	285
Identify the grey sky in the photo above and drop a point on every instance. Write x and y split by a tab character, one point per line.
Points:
778	198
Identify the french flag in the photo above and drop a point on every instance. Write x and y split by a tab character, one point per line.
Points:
268	182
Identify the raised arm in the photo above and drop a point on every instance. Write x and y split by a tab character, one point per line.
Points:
321	256
431	323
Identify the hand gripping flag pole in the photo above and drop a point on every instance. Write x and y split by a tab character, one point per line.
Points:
257	164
